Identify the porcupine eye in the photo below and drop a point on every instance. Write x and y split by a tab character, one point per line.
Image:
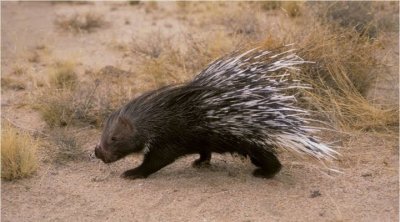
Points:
113	139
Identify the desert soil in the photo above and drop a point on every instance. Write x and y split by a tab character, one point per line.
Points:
367	189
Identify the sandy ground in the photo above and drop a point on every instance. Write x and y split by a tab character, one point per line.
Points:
88	190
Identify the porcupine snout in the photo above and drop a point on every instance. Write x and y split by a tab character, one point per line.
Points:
98	153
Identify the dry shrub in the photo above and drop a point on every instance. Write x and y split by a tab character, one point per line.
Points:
62	107
241	21
18	153
56	101
55	106
63	75
152	45
351	14
89	102
344	70
160	71
342	57
160	60
67	147
85	22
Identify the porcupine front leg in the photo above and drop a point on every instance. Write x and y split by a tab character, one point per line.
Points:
153	161
267	162
204	160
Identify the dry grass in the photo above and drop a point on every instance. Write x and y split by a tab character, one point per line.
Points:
70	101
291	8
153	45
242	21
160	59
160	72
55	106
354	15
344	71
56	101
67	147
12	83
18	70
270	5
78	23
83	105
63	75
18	153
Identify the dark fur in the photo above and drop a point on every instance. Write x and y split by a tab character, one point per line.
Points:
170	122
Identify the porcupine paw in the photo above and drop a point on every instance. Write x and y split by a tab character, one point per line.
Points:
132	174
263	173
199	163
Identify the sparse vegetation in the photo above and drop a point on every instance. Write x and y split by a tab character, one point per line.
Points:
70	101
155	45
270	5
292	8
67	147
18	153
353	15
85	22
242	22
62	107
11	83
159	59
55	106
344	70
63	75
18	70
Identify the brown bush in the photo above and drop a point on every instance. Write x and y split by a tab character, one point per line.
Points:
18	153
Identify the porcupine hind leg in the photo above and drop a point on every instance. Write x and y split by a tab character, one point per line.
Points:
267	163
204	160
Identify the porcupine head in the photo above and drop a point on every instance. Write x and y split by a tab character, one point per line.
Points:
120	137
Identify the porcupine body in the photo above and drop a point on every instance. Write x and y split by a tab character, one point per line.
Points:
242	103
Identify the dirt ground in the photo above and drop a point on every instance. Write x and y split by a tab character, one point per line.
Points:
367	189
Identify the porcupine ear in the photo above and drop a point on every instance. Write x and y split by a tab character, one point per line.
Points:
126	123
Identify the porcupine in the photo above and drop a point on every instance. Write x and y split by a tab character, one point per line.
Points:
241	103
